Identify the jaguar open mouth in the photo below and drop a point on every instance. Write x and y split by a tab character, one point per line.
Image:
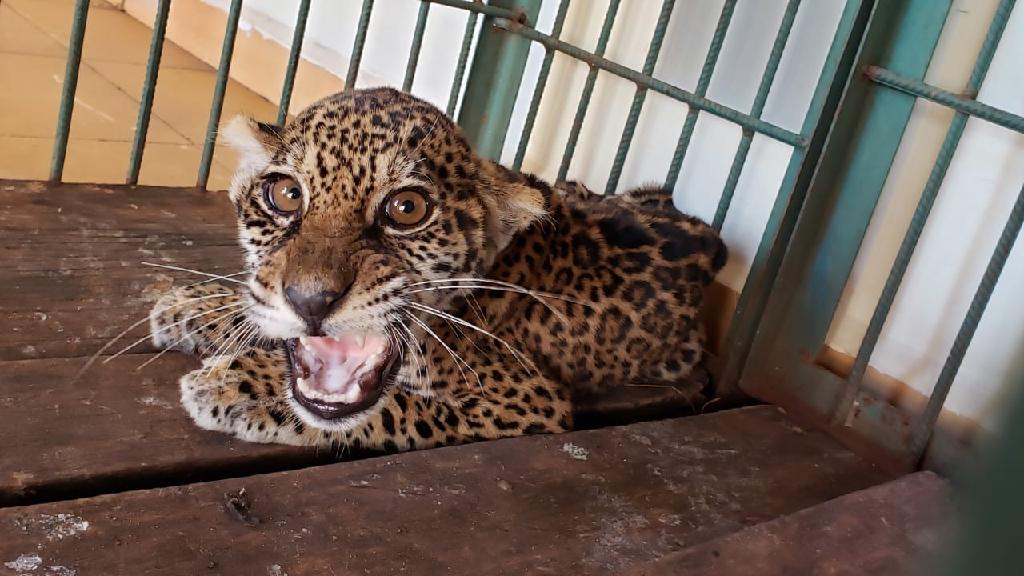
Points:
336	376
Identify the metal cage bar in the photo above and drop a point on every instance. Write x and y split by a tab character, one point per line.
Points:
920	217
689	98
650	61
538	90
485	9
227	49
968	106
740	159
588	89
923	430
293	62
703	82
156	49
357	46
67	98
417	44
460	67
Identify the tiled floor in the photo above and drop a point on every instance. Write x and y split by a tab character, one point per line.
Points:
33	45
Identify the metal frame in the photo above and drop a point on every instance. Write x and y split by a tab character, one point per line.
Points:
826	241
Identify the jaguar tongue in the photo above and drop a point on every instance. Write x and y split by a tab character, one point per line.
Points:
331	368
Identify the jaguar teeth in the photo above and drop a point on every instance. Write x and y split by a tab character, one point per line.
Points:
305	344
360	339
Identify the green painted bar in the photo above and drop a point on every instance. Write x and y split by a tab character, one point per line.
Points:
920	217
699	102
156	48
706	71
650	61
588	90
494	78
67	97
858	35
293	62
538	91
767	78
357	47
460	67
219	88
963	105
417	44
926	424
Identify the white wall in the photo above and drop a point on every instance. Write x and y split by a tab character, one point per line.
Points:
981	185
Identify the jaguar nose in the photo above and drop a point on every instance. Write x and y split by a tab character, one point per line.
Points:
312	305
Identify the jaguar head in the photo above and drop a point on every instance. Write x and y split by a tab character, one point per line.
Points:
355	218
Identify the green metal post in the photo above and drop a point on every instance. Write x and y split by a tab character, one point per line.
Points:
293	62
417	44
495	77
357	46
219	89
156	48
67	97
460	67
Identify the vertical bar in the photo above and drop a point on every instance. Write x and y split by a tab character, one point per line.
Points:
588	90
293	62
156	48
864	32
460	68
923	429
357	47
417	44
538	90
495	77
759	101
67	97
921	212
638	98
223	69
706	71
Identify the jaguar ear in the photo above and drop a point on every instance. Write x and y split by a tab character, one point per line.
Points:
255	142
515	202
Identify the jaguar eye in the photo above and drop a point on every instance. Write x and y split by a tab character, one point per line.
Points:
283	195
407	207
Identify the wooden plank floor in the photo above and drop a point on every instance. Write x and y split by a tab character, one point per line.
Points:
589	502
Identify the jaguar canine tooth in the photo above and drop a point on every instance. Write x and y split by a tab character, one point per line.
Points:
360	338
301	382
305	343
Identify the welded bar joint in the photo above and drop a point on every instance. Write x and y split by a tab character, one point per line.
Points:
67	97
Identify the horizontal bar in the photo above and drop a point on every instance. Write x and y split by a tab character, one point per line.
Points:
923	430
538	90
650	61
156	49
588	90
223	69
460	67
706	71
417	44
921	212
963	105
357	46
699	102
767	78
293	62
67	97
485	9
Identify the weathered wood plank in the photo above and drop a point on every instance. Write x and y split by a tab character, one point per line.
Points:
887	530
116	428
70	260
590	502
